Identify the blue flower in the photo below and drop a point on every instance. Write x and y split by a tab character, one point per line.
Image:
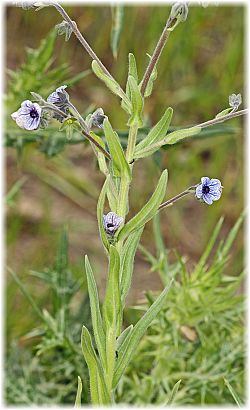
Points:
28	116
112	222
235	101
97	118
59	97
209	190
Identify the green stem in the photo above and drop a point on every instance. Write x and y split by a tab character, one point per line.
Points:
123	199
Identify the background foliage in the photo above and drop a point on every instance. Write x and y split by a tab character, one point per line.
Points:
51	180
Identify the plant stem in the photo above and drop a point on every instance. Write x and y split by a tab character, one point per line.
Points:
84	127
125	183
82	40
177	197
156	55
222	119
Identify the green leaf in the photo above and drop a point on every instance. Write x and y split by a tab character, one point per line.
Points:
209	247
127	262
14	190
112	195
111	311
136	101
117	23
151	80
148	211
120	165
173	393
98	388
130	344
231	237
112	301
158	132
170	139
233	393
178	135
95	311
132	71
100	156
132	68
109	82
224	112
120	340
100	213
79	392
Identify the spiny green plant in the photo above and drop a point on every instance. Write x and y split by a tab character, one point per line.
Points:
197	340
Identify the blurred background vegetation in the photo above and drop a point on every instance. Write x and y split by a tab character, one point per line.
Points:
51	181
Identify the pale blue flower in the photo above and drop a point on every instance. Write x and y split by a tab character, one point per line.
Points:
97	118
60	97
112	222
28	116
235	101
209	190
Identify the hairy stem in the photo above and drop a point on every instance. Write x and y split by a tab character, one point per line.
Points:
222	119
82	40
85	132
189	190
156	55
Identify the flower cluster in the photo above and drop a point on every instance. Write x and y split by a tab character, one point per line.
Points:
31	115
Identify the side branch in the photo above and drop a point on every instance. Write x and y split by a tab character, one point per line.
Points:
223	118
156	55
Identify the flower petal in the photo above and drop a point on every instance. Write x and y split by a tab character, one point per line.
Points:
198	191
208	199
205	180
215	182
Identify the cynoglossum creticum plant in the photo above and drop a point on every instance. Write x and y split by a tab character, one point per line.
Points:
109	350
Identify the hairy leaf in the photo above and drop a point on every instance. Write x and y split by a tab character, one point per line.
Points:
120	165
148	211
129	346
95	311
158	132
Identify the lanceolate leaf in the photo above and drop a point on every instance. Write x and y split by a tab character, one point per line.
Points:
132	68
170	139
224	112
129	346
98	388
127	262
152	78
79	392
132	71
100	212
120	340
120	165
173	393
117	22
109	82
100	156
136	101
148	211
111	311
95	311
178	135
111	304
158	132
